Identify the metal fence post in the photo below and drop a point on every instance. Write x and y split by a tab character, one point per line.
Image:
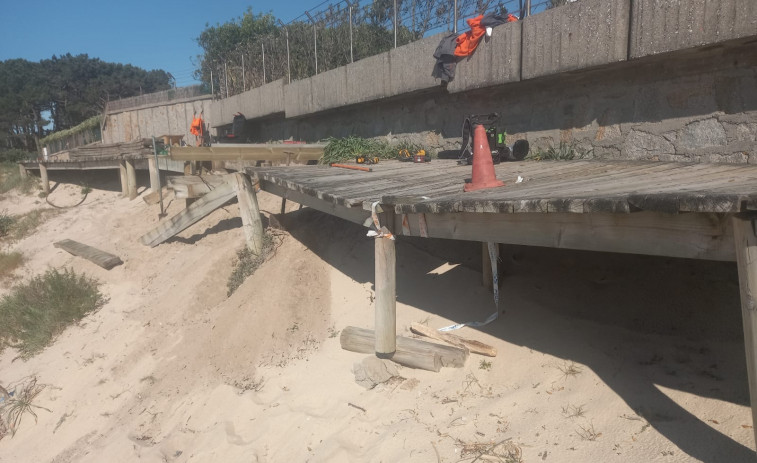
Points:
315	40
244	81
262	47
454	7
351	58
395	23
289	70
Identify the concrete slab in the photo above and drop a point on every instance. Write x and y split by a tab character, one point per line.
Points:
369	79
298	98
495	62
660	26
254	103
329	89
581	35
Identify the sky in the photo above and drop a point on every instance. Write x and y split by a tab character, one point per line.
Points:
158	34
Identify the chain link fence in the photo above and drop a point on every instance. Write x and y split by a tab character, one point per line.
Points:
335	34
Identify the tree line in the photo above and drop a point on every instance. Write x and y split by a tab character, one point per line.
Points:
37	98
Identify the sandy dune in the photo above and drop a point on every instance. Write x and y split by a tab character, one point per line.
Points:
602	357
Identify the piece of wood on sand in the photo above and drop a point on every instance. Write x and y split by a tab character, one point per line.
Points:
476	347
103	259
189	216
154	197
410	352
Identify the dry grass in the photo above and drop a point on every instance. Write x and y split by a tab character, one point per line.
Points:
504	451
18	403
588	432
573	411
569	369
27	223
10	178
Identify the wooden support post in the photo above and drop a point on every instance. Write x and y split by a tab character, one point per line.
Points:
22	171
252	224
745	239
124	179
152	165
283	206
486	265
131	176
43	176
386	304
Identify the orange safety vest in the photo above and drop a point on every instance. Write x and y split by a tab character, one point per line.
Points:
467	42
197	126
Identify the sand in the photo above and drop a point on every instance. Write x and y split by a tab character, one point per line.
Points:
601	357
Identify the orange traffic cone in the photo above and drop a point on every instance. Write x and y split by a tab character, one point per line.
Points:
483	167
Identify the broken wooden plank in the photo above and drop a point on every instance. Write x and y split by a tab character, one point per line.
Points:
189	216
194	186
252	224
411	352
104	259
476	347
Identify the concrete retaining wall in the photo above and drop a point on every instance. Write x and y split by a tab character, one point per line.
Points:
172	119
661	26
258	102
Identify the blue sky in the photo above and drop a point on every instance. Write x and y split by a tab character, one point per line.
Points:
158	34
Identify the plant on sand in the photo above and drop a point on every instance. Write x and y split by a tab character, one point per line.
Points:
17	403
247	261
34	313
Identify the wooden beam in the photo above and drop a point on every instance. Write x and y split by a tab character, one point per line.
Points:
410	352
189	216
474	346
124	179
195	186
386	297
101	258
351	214
22	171
152	165
250	212
745	238
44	177
248	152
154	197
688	235
131	177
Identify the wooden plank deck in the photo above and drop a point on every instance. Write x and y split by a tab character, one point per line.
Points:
548	186
279	152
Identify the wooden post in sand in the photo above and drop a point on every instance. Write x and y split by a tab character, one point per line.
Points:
745	239
22	171
124	179
252	224
43	176
131	176
152	165
386	294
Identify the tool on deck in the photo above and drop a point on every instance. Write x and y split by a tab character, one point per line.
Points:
348	166
363	159
406	156
497	140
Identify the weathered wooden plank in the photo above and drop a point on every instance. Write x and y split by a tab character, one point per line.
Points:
477	347
104	259
697	236
189	216
745	242
249	210
195	186
362	340
386	297
248	152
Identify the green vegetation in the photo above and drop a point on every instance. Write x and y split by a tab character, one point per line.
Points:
72	89
9	261
34	313
565	152
247	262
21	226
345	149
10	178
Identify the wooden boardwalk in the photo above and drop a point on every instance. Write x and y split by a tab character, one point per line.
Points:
702	211
547	186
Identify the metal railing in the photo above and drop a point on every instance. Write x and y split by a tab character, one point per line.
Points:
337	33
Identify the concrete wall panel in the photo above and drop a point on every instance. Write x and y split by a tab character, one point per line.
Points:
298	98
370	79
495	62
581	35
329	89
411	66
660	26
